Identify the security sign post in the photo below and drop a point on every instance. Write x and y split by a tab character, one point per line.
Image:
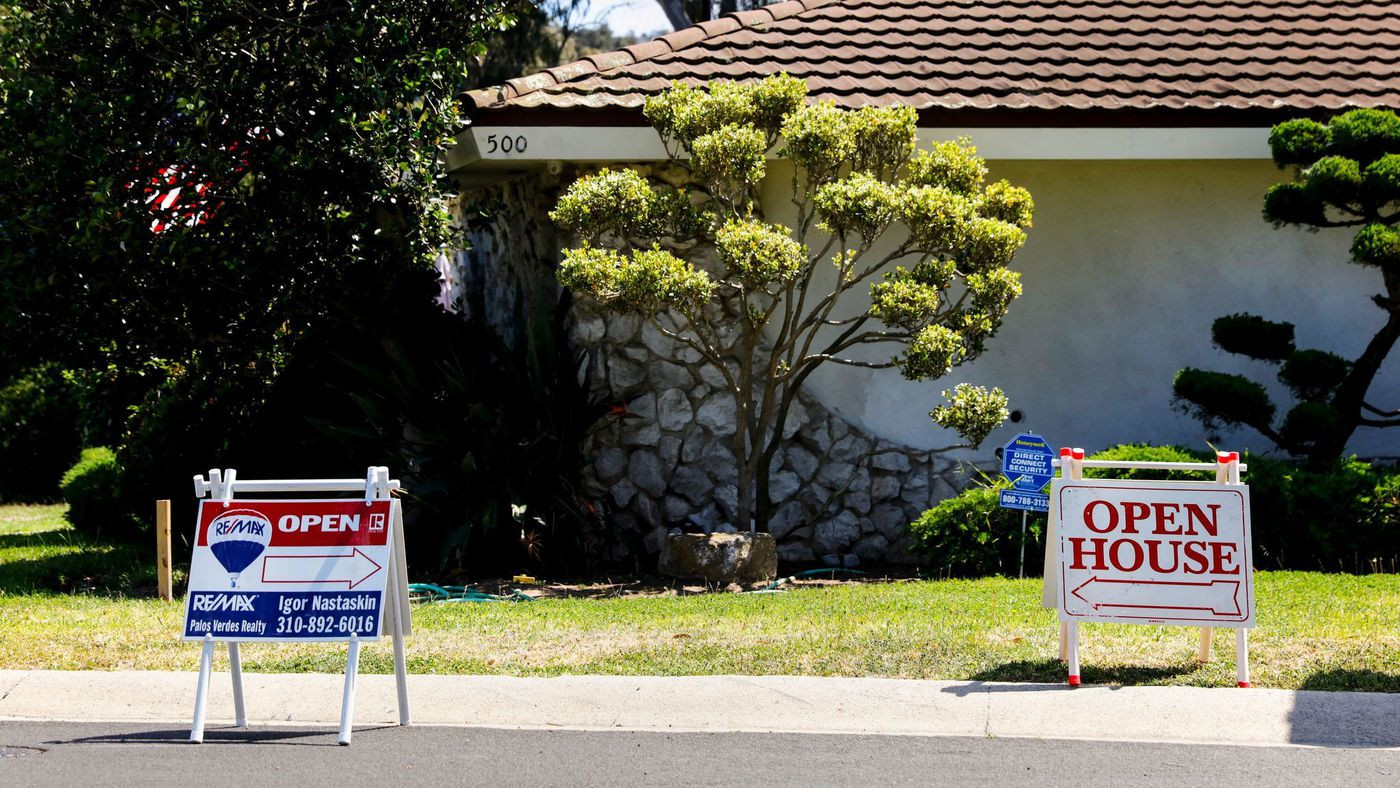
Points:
1153	552
326	569
1029	465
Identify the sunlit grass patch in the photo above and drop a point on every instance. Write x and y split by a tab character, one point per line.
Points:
1315	631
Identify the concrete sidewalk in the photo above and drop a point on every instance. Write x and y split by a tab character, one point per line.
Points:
788	704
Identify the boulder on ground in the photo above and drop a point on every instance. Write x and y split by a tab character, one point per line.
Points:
719	557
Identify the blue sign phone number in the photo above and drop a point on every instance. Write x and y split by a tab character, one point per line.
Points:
325	625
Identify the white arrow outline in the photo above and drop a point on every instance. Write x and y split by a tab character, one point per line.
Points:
324	564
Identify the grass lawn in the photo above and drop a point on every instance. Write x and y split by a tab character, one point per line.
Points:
1314	631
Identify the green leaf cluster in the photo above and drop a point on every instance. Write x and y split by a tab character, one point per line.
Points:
685	113
1253	336
883	137
910	299
953	165
1348	176
643	281
971	411
730	153
860	205
816	140
760	254
1312	375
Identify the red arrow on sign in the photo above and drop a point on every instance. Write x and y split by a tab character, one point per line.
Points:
1220	597
350	568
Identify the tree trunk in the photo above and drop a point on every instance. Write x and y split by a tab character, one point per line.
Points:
675	13
1347	401
743	455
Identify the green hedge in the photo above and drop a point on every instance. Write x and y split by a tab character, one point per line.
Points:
1344	517
93	490
970	536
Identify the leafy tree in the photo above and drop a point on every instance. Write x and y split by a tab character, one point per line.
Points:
195	194
545	33
1346	174
646	249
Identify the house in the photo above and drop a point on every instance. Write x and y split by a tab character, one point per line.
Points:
1140	127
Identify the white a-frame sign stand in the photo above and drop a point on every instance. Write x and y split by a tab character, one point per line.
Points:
304	569
1150	552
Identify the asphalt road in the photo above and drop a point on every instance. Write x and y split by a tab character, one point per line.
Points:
94	754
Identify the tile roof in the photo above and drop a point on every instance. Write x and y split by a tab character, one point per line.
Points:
974	56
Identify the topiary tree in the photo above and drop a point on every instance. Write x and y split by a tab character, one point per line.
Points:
938	290
1347	174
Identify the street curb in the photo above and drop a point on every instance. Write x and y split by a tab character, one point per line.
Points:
779	704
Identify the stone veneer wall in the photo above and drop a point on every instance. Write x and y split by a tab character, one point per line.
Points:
839	495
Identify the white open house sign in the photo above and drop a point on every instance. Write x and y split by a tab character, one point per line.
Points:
1150	552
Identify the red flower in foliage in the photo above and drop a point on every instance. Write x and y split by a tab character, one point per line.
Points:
180	195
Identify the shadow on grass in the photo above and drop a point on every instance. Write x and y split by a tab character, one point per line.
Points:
37	539
1352	681
85	565
1363	717
1053	671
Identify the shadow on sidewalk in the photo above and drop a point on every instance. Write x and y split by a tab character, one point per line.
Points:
1052	671
1366	716
308	737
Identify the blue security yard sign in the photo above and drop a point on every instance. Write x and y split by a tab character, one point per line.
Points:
1028	463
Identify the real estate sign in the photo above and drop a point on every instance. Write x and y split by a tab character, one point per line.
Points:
290	570
1154	552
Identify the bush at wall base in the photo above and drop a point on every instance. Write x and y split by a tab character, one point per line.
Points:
1341	517
968	535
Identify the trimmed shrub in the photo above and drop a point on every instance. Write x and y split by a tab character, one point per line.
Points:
970	536
92	489
1141	452
1341	517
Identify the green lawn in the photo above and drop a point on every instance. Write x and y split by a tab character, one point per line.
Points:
1314	631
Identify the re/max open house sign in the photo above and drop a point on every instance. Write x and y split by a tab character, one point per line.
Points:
289	570
1154	553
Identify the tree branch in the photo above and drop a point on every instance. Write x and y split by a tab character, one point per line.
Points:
1386	413
849	362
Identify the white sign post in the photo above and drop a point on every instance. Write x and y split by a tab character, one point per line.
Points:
1151	552
328	569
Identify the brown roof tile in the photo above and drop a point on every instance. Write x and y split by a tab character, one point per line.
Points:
1196	56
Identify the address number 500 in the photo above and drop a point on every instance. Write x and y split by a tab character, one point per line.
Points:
505	143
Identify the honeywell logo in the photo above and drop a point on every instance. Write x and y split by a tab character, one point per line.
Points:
215	603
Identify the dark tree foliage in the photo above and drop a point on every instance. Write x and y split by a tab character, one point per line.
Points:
305	139
684	13
1347	175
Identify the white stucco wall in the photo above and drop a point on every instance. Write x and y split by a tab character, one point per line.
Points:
1126	267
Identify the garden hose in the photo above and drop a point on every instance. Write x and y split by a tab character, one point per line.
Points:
775	586
458	594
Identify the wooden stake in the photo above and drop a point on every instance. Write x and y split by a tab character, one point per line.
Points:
163	567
